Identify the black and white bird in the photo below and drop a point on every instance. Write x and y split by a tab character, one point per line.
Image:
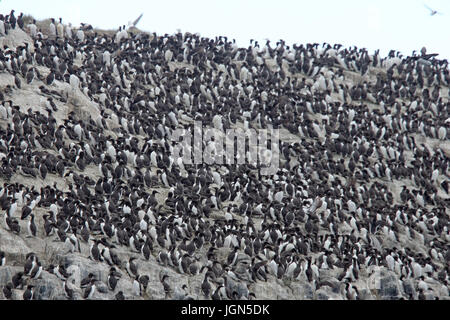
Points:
86	281
88	293
120	296
69	289
136	287
2	259
28	293
7	291
95	251
131	267
166	286
36	271
113	279
17	280
31	226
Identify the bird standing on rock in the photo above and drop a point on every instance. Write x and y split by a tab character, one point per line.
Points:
68	290
90	290
166	286
7	291
132	267
2	259
28	293
112	280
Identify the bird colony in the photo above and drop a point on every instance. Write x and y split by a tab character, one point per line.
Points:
94	206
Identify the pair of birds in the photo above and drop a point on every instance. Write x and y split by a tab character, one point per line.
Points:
28	294
89	285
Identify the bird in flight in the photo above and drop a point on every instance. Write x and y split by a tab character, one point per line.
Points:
133	24
432	12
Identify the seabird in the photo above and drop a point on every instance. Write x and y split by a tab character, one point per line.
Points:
7	291
68	290
135	22
28	293
31	226
119	296
166	286
88	293
137	290
432	11
85	282
132	267
112	280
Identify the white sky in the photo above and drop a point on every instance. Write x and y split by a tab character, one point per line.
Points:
403	25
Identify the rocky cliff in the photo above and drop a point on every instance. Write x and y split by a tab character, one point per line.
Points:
358	208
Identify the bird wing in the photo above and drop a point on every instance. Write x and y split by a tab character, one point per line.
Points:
430	55
429	8
137	20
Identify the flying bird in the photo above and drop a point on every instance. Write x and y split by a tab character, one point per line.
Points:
133	24
432	12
